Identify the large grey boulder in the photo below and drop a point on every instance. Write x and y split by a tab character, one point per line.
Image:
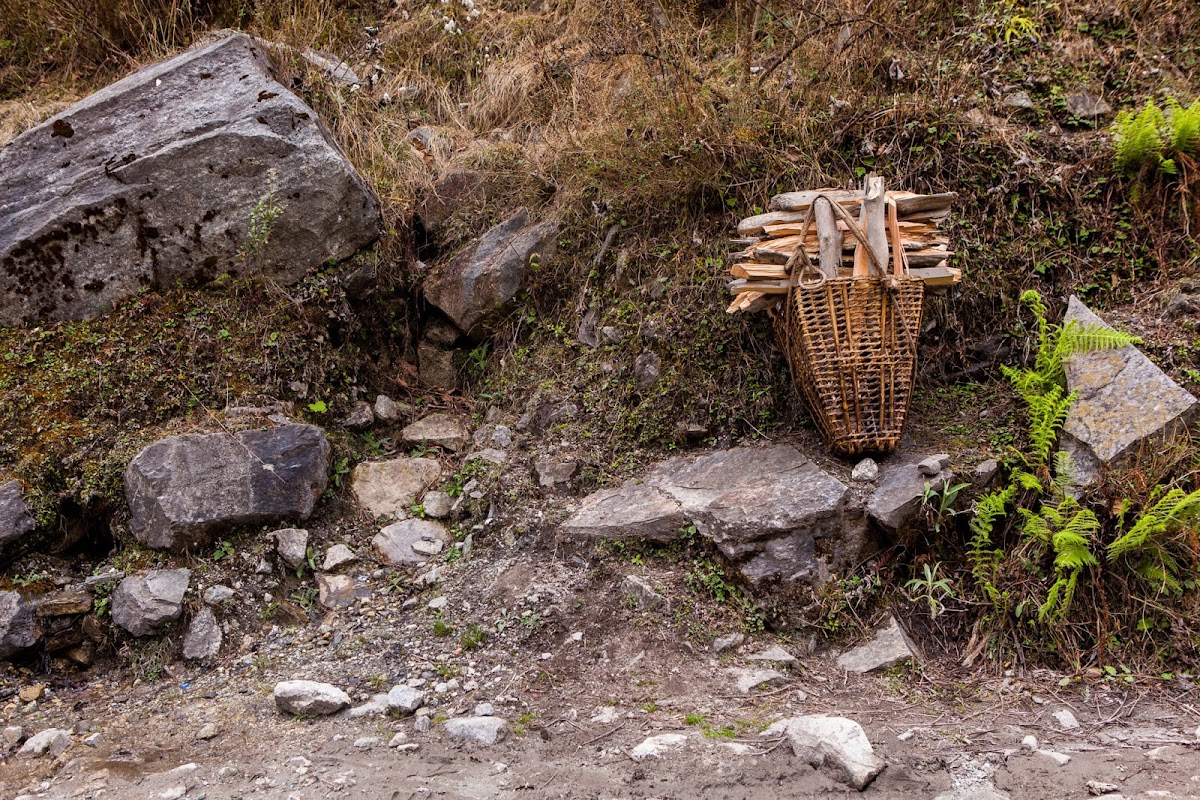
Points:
18	628
15	520
164	177
770	508
391	487
481	280
184	489
1126	405
144	604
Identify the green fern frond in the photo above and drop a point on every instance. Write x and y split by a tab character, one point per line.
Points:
1138	139
1047	413
1184	126
982	555
1056	606
1065	474
1172	509
1161	575
1027	481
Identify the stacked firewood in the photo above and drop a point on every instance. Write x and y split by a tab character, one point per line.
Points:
763	264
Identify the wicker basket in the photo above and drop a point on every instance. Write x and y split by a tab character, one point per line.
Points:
852	347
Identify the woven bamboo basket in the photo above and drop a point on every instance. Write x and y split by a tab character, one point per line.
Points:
852	347
851	342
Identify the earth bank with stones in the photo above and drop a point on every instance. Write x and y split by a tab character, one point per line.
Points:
399	554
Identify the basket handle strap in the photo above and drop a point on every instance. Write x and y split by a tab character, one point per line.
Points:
899	257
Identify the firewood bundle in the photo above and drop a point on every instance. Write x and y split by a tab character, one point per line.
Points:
763	265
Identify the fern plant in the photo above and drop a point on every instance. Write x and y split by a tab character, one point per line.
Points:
1147	544
1151	138
1184	126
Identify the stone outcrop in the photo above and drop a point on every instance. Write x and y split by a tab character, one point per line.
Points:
480	281
163	177
144	604
1126	405
15	520
770	509
887	648
184	489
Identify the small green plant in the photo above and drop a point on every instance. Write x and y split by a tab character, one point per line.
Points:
938	499
694	718
306	598
931	589
318	407
1152	140
31	578
263	217
441	627
473	637
530	619
650	707
224	549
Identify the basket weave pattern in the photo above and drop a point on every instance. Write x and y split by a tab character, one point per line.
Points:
852	347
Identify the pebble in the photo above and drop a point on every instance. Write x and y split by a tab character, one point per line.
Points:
1066	720
722	643
908	734
477	730
367	742
1062	759
337	556
52	742
422	724
656	746
438	603
400	738
1029	743
774	653
484	710
209	731
405	699
407	748
865	471
92	740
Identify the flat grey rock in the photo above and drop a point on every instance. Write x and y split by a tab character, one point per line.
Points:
398	543
405	699
765	507
774	654
726	641
818	739
184	489
447	431
338	556
154	181
1086	105
484	731
1126	405
391	487
15	519
747	679
309	697
887	648
336	591
552	472
144	604
480	282
658	746
217	594
18	628
896	503
437	505
641	591
204	637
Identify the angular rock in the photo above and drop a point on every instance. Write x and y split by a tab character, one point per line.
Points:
634	511
435	365
888	647
726	641
819	739
405	699
64	604
657	746
309	697
1066	720
774	654
552	472
747	679
930	467
18	628
480	281
484	731
204	637
437	505
391	487
15	520
896	503
377	705
1018	101
143	604
455	190
985	472
337	556
439	430
388	410
1126	406
292	545
768	507
396	544
51	742
646	368
217	594
865	471
1086	105
336	591
184	489
640	589
161	178
359	417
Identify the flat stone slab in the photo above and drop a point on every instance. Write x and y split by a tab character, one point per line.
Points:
818	739
155	181
887	648
766	507
484	731
309	697
391	487
447	431
1126	405
15	520
896	503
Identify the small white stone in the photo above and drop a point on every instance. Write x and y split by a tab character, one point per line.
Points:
865	471
1066	720
438	603
656	746
399	739
1029	743
1062	759
367	742
908	734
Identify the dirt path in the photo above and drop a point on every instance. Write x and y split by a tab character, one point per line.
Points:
583	677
